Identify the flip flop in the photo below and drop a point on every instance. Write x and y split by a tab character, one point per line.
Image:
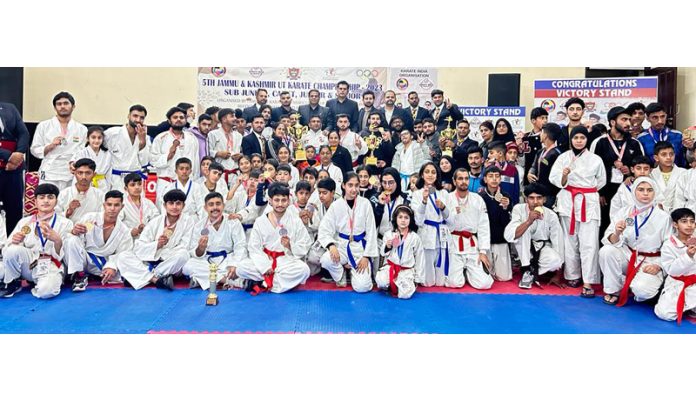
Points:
610	302
587	292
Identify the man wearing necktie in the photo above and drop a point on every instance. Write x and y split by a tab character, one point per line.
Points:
442	108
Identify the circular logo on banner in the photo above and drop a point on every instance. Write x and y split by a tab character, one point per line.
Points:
402	83
426	84
367	73
548	105
218	71
256	72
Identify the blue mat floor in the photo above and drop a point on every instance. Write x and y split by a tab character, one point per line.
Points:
150	310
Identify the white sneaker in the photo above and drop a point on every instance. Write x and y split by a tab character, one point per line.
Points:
343	282
527	280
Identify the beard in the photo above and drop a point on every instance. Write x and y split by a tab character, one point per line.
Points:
132	124
178	127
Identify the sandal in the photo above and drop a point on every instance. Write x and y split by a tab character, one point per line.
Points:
574	283
587	292
611	299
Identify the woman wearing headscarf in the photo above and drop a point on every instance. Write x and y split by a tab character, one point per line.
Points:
580	174
503	131
631	255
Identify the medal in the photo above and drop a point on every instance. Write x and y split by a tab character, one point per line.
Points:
89	226
283	232
311	208
396	241
691	241
168	232
373	181
26	230
498	196
205	231
629	221
539	209
432	190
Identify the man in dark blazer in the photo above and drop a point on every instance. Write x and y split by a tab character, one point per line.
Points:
285	107
307	111
14	143
414	110
368	98
253	110
389	111
342	105
255	142
442	108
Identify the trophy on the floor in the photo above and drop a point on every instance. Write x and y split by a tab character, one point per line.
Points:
373	141
447	134
212	299
297	131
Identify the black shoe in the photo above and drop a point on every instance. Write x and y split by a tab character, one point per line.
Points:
251	285
574	283
165	283
79	282
326	276
8	290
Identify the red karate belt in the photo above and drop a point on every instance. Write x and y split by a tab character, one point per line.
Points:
681	300
394	270
632	271
168	179
575	191
228	172
8	145
54	260
464	234
268	279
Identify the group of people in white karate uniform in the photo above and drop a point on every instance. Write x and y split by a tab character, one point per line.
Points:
271	223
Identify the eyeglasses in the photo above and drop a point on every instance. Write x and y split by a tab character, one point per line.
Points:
392	182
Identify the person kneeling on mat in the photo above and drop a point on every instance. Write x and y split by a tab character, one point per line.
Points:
403	253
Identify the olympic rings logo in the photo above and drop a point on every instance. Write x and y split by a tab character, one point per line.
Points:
367	73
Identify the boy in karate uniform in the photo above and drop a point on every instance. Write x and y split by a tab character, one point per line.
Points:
225	144
137	210
278	243
631	255
129	146
81	198
193	190
349	234
34	249
215	239
170	146
95	242
326	190
677	261
538	238
161	251
666	175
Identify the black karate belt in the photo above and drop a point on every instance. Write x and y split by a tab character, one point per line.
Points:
534	262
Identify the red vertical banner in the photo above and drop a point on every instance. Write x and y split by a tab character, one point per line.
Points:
31	181
151	187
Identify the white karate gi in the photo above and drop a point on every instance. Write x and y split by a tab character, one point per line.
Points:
614	258
55	167
349	141
195	195
229	237
133	215
18	258
3	240
546	230
410	260
316	251
90	201
587	171
79	247
624	198
675	262
434	242
337	221
218	141
173	255
290	270
668	189
335	174
316	139
469	215
126	156
685	192
246	207
103	172
159	151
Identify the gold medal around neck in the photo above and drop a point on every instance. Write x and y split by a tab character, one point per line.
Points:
26	230
373	181
498	196
168	232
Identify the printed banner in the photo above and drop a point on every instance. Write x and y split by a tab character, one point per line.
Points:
478	114
599	95
413	79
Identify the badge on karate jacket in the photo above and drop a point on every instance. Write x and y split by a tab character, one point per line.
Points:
444	232
616	176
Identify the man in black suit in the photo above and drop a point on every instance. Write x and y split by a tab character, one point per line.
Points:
462	144
390	111
253	110
442	108
368	98
307	111
285	107
14	143
416	112
255	142
342	105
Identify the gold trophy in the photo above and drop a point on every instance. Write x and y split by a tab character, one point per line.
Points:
297	131
448	134
373	142
212	299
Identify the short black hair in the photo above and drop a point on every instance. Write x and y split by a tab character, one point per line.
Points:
272	162
492	170
538	112
63	95
210	158
303	185
436	92
284	167
184	105
113	194
342	83
497	145
641	159
47	189
535	188
654	108
678	214
662	145
224	112
216	166
635	106
238	113
428	120
575	100
138	107
552	130
283	93
595	116
257	116
175	110
174	195
85	162
412	93
205	116
255	173
260	90
278	188
477	149
213	195
183	160
328	184
311	171
212	110
368	92
132	177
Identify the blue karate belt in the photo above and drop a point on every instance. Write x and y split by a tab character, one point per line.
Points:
98	261
153	265
124	172
356	238
217	254
436	225
247	226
